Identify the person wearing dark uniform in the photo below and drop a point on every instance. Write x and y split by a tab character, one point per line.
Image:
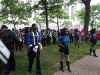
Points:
27	30
71	36
43	34
18	44
8	38
76	36
64	50
33	40
49	35
54	34
93	42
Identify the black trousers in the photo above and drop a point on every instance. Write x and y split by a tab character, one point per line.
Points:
71	39
11	66
32	55
2	65
48	40
21	43
43	41
54	39
18	45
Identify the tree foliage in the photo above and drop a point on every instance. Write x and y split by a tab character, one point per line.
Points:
87	11
51	9
94	14
65	23
15	12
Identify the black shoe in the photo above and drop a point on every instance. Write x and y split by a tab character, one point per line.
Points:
62	70
95	56
69	70
95	53
90	51
13	69
29	70
40	73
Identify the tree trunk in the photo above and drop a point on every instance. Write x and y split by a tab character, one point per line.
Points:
92	22
46	13
15	28
87	14
40	27
58	26
58	23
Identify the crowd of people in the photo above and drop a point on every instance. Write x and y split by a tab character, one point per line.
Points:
34	40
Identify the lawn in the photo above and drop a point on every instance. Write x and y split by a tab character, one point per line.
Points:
49	58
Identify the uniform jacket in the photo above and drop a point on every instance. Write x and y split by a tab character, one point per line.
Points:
30	38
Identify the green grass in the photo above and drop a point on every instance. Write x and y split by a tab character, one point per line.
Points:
49	58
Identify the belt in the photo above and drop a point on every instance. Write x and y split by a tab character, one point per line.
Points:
66	44
11	50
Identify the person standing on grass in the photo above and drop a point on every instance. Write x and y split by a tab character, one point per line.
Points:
18	44
33	42
71	36
64	50
76	36
83	33
93	41
27	30
49	35
8	38
43	35
54	35
98	36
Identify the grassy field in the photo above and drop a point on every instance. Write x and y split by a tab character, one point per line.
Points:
49	58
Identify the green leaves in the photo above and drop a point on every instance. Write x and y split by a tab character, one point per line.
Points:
16	10
94	14
40	19
66	23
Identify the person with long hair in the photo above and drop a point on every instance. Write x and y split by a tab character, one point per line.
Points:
64	49
93	41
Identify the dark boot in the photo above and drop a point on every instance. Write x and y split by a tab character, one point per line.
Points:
75	44
95	53
68	65
78	46
29	70
61	66
90	51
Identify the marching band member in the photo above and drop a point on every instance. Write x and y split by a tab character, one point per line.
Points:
49	35
43	33
93	41
33	41
54	35
76	36
64	50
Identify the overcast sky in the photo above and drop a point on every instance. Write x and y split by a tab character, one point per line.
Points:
95	1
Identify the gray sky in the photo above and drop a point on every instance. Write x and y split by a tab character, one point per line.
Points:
95	1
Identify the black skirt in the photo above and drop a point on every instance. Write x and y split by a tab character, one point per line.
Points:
94	41
77	37
64	50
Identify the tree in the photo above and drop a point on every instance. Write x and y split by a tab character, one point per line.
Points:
59	15
4	4
40	20
66	23
87	11
16	13
94	14
47	6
